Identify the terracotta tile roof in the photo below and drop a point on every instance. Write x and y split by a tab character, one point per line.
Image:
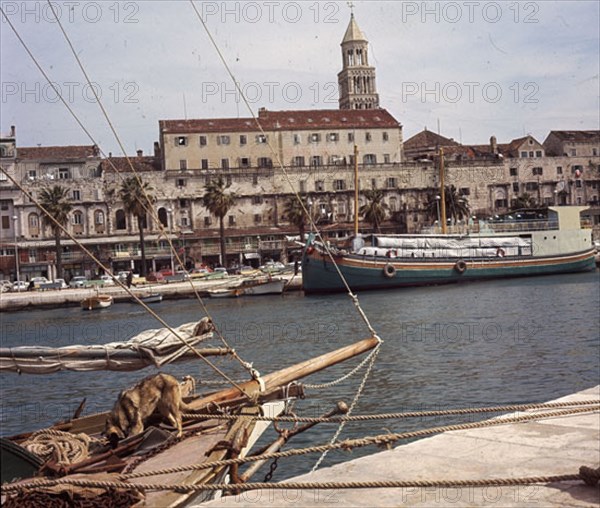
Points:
460	151
57	152
317	119
142	164
427	139
577	136
486	150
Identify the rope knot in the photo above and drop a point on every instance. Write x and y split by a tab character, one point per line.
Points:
589	475
347	445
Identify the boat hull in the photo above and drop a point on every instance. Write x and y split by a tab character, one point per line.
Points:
251	287
96	302
154	298
319	275
273	287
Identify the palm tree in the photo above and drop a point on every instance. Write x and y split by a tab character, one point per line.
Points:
56	205
138	200
457	206
218	202
524	201
295	213
375	209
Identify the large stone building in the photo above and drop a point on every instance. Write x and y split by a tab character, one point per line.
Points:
265	161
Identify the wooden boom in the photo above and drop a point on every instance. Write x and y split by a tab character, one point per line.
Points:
289	374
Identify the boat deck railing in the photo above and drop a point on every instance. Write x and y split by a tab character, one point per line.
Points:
484	227
528	225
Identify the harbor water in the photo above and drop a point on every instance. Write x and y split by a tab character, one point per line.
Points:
479	344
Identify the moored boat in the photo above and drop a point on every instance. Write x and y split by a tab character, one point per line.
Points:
151	298
558	244
96	302
74	455
252	286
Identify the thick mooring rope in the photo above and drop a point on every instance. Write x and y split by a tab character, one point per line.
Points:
392	416
586	474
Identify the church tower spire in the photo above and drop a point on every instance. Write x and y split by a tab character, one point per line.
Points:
356	80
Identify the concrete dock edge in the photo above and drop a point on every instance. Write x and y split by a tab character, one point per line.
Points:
548	447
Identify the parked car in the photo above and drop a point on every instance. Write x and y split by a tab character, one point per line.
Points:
155	277
199	273
5	286
61	282
78	282
37	281
122	276
19	285
272	266
107	280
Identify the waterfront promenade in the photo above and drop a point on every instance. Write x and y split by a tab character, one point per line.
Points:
170	291
548	447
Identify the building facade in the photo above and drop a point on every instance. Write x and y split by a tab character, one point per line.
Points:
265	162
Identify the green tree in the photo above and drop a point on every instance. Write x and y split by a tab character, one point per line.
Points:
138	199
56	205
218	202
524	201
295	213
375	209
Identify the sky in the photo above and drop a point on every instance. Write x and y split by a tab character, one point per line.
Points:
466	69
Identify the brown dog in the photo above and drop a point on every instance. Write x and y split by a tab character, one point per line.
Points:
158	392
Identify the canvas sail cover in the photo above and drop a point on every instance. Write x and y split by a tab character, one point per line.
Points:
455	247
150	348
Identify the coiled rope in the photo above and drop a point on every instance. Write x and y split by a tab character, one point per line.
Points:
62	447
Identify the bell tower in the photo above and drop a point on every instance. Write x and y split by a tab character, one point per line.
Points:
356	80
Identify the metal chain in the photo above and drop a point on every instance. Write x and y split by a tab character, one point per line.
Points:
272	469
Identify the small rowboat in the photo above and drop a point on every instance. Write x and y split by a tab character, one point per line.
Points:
225	293
253	287
150	298
96	302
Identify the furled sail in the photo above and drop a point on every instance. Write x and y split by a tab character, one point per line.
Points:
150	348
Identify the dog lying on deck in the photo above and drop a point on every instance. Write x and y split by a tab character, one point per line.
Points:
160	392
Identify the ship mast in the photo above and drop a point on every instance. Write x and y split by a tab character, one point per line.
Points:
355	191
442	192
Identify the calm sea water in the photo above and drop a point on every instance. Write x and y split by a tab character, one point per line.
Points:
488	343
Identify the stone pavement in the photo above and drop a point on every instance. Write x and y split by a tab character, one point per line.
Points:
553	446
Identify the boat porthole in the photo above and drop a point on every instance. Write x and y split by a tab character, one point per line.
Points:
389	270
460	266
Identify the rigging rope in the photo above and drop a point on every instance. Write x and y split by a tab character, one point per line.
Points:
277	157
147	200
119	175
280	165
372	356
